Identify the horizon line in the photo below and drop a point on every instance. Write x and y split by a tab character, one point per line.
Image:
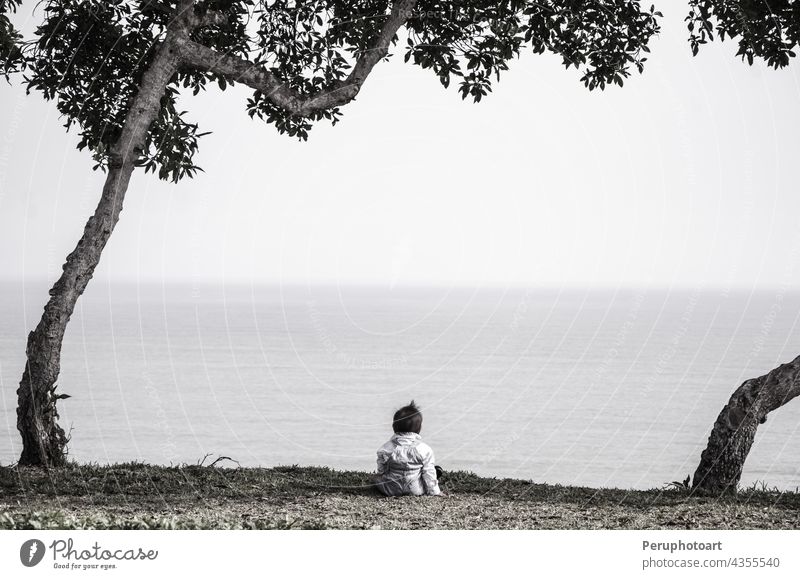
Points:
241	283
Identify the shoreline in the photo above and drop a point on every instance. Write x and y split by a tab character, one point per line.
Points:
142	496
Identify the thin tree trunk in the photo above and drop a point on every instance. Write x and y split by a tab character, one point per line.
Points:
43	440
734	431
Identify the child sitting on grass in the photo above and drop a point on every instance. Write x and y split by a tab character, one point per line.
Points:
405	463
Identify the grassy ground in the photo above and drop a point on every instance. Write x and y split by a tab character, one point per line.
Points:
134	496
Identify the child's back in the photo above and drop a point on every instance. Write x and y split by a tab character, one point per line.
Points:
406	464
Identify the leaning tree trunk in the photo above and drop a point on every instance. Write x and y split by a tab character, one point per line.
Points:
43	440
732	437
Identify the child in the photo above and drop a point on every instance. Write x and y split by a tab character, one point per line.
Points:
405	463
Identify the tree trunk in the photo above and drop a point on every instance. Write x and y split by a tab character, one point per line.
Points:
43	440
734	431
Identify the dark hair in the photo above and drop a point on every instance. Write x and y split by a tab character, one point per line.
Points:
408	419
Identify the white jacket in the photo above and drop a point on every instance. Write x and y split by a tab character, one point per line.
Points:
406	467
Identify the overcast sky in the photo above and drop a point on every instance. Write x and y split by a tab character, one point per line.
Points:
688	175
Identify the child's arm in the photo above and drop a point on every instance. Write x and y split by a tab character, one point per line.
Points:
381	462
379	479
429	471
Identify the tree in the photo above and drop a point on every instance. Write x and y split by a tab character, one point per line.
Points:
10	53
769	31
116	69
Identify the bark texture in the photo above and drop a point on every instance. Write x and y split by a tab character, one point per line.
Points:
722	461
236	69
43	440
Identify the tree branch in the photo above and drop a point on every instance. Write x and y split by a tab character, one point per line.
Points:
258	77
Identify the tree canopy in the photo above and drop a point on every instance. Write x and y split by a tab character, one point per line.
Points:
766	30
89	55
10	53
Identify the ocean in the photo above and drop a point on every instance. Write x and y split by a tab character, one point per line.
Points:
604	388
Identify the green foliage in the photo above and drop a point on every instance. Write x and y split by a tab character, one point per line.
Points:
313	44
766	30
475	40
89	55
171	142
10	52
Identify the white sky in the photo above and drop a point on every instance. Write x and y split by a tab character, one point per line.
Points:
688	175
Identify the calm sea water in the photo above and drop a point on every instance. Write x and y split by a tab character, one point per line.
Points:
600	388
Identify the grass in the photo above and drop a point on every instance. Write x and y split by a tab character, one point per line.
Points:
141	496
